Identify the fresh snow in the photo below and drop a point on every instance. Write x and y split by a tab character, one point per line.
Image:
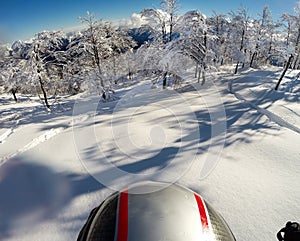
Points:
234	140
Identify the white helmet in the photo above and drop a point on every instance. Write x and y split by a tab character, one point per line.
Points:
153	212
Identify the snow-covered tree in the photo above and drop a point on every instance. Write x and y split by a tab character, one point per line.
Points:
157	20
3	54
176	64
13	76
219	26
288	23
75	72
148	57
129	63
292	34
96	43
297	36
153	52
262	38
163	22
1	71
171	7
44	58
102	44
239	35
292	42
196	42
120	42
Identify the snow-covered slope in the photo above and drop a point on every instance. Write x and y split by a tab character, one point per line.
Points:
233	140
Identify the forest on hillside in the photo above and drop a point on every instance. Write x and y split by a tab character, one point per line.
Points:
103	54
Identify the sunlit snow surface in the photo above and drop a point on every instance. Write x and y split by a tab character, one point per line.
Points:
234	140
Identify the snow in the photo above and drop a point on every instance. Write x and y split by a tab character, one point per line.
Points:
234	140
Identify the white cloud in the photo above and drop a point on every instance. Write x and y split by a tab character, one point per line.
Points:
137	20
76	28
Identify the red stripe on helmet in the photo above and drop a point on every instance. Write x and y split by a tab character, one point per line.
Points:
123	217
202	211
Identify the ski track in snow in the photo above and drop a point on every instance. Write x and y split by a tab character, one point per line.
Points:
11	130
272	117
35	142
6	134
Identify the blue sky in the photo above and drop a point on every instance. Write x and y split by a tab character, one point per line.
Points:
21	19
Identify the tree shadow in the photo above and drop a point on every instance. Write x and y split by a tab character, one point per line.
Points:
234	130
32	193
266	94
120	165
261	96
33	114
161	160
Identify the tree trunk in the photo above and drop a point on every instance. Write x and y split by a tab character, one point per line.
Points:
297	49
196	72
285	70
115	67
199	75
97	61
222	61
241	48
252	59
164	33
44	92
268	57
242	41
203	77
296	62
100	72
224	55
165	79
129	75
13	91
171	27
236	67
243	65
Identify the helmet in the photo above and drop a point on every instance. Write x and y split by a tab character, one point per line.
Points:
155	212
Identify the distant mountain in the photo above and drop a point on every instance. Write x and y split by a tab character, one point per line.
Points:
20	49
141	35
